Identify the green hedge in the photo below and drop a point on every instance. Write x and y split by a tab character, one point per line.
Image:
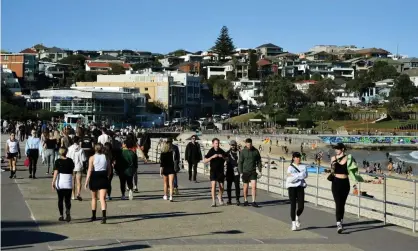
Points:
9	111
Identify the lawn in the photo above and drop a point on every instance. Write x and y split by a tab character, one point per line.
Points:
243	118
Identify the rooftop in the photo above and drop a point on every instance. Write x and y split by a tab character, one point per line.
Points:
268	45
372	50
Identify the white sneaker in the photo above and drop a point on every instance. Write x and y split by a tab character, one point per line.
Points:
131	195
297	222
294	228
340	228
165	197
171	198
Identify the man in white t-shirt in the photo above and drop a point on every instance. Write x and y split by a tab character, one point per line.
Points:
104	138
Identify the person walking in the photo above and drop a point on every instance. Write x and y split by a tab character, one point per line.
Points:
232	174
145	144
98	180
108	151
12	153
340	185
62	182
76	153
295	183
104	138
216	157
32	149
176	157
167	162
50	144
126	165
193	156
249	162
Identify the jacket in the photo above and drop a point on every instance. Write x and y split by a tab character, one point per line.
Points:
297	177
76	153
128	162
193	153
249	160
353	169
145	141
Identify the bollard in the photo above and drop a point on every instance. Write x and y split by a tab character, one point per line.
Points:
384	199
283	178
415	206
358	199
268	174
317	185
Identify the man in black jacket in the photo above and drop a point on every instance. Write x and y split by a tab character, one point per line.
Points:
193	155
232	174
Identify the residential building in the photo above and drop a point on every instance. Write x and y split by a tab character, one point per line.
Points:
249	90
87	53
53	70
239	68
409	63
53	54
359	64
269	50
9	80
399	65
303	86
171	61
413	75
113	53
343	70
145	56
320	56
373	53
191	86
322	68
104	67
266	68
346	98
106	59
29	51
192	58
190	67
112	105
335	49
23	65
216	70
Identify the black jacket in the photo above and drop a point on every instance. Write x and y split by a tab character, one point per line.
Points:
193	153
145	141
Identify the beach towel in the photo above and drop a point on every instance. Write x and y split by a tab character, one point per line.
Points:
353	169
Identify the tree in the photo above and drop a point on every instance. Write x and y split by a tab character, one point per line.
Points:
117	69
316	77
382	70
321	91
76	61
305	118
141	66
394	107
179	52
224	46
403	88
252	67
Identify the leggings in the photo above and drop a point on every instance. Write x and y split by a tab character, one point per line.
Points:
125	180
192	170
33	155
109	189
229	180
135	178
64	195
296	194
340	190
175	181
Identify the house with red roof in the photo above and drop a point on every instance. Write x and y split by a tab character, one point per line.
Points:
29	51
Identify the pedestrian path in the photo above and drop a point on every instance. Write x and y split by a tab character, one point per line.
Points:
30	221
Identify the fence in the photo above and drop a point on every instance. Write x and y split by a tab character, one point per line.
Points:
392	200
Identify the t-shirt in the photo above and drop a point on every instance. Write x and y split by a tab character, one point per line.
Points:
216	164
13	146
51	144
65	168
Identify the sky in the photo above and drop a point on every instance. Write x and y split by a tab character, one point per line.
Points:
162	26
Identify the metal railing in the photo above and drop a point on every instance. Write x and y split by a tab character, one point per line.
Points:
396	205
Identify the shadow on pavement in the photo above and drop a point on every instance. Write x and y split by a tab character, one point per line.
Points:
348	226
130	247
11	238
22	224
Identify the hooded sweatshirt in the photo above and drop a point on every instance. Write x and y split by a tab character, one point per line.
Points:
76	153
296	175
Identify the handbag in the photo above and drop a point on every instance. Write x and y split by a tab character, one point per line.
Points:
331	176
26	162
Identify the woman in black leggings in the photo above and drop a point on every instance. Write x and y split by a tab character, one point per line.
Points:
340	183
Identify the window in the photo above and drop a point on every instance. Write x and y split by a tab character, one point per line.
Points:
6	57
59	55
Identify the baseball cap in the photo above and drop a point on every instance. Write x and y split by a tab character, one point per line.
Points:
339	146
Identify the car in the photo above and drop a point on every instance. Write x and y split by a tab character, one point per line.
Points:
225	116
167	123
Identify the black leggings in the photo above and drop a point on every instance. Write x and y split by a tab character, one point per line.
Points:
340	190
192	170
296	194
124	179
109	189
64	195
229	180
33	155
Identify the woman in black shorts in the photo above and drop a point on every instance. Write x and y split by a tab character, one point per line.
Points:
98	180
167	169
12	153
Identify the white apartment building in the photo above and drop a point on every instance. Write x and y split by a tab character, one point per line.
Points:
249	90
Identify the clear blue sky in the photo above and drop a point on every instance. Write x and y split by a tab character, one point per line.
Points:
166	25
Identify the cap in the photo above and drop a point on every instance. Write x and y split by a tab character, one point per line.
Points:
232	143
296	155
249	141
339	146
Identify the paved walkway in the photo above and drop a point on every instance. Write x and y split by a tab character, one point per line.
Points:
29	221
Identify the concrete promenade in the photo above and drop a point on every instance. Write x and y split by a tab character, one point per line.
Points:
30	221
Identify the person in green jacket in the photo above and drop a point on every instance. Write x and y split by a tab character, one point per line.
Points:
126	165
249	162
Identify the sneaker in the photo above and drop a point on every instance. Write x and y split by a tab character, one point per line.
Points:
11	176
123	197
131	195
47	173
68	218
171	198
255	204
245	203
136	190
213	204
34	177
339	228
61	218
79	198
297	223
294	228
30	176
93	218
73	198
238	203
103	220
165	197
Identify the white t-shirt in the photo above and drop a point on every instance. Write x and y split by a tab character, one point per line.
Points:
13	146
104	138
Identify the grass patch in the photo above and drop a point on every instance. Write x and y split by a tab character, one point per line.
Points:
244	118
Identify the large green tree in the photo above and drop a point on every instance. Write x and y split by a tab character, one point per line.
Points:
321	91
76	61
117	69
403	88
224	46
382	70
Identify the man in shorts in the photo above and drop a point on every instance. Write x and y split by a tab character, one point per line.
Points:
216	157
248	163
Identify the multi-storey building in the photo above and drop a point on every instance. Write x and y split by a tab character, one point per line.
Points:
53	54
23	65
269	50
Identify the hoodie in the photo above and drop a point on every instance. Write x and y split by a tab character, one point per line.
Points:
296	175
76	153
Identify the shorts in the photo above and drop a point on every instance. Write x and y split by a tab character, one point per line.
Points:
217	176
12	155
247	177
